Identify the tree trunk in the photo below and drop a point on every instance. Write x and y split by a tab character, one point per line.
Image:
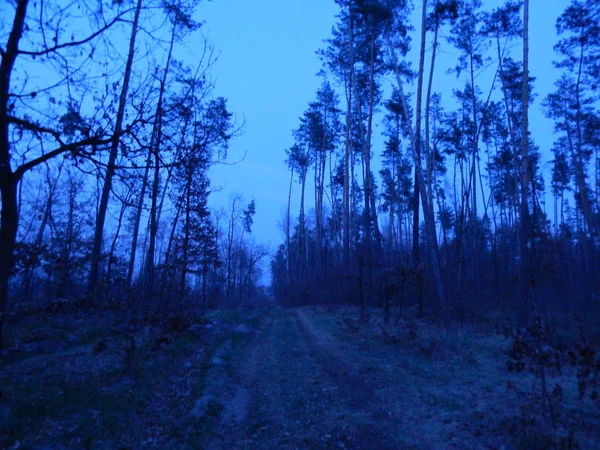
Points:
419	187
9	218
347	149
64	280
302	230
525	219
153	229
155	148
430	156
427	208
186	233
40	234
113	245
287	231
114	150
370	191
136	221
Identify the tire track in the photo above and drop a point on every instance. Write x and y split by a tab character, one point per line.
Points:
292	388
359	393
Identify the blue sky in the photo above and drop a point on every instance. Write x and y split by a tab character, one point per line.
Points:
267	69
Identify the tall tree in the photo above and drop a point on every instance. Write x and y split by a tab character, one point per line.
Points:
526	238
112	158
42	127
580	50
319	131
396	42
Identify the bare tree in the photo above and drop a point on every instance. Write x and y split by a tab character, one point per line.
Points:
114	151
76	134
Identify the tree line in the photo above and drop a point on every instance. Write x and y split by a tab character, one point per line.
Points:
456	218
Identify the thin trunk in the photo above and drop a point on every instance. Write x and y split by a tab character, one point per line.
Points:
136	221
40	234
347	149
370	197
427	208
302	231
430	156
113	245
578	163
525	219
172	238
318	212
114	150
230	251
152	231
168	270
287	231
475	149
155	147
186	233
419	186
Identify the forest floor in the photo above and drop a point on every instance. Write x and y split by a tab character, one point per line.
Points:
278	379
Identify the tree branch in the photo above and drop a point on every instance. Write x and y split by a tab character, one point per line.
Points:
20	171
74	43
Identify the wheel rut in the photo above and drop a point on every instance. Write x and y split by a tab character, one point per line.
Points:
291	388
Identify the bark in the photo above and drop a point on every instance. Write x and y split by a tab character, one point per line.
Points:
525	219
136	221
114	150
186	233
302	229
420	188
155	148
287	230
113	245
9	219
427	207
230	230
370	191
430	159
473	172
318	212
578	163
152	229
346	198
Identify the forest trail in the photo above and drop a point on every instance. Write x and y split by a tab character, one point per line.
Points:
276	378
297	386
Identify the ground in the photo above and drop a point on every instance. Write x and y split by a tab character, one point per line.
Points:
283	379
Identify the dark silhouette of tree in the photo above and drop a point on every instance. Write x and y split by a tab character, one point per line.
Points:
60	126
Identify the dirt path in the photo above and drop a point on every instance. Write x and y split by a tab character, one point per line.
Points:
305	378
294	388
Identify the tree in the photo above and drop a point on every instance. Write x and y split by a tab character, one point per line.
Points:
319	131
299	161
526	238
114	150
573	106
76	133
399	71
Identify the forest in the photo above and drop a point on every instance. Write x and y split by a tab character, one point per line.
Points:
424	229
461	213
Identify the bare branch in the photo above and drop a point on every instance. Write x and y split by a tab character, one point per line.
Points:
75	43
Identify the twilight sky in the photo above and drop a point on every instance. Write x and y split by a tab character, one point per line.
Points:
267	69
